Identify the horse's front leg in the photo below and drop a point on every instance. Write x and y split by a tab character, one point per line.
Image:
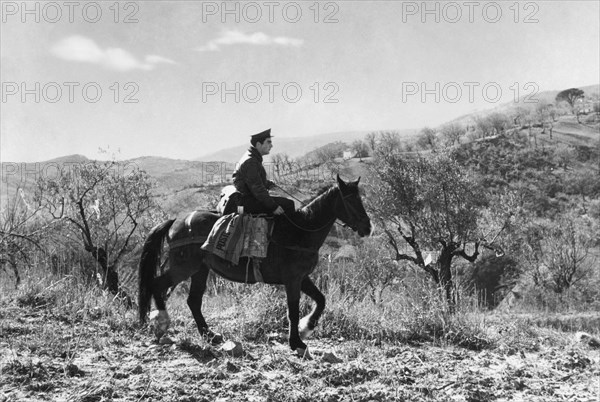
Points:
308	323
194	302
293	300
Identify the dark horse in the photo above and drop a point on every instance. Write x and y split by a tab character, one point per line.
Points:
292	255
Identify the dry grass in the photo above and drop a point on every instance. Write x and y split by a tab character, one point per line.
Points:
63	339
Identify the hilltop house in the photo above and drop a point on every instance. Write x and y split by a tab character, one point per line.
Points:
349	154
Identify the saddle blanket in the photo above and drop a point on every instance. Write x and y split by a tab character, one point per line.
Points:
234	236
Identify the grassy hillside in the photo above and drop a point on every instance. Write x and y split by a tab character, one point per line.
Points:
542	98
63	340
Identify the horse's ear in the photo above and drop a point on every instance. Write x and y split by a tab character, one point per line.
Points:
340	182
358	180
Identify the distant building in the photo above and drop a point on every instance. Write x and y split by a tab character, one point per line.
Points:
349	155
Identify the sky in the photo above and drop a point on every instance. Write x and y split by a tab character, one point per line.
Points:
181	79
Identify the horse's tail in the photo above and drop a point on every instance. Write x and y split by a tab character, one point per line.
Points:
147	269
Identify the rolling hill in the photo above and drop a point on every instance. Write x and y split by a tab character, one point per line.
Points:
544	97
296	146
185	184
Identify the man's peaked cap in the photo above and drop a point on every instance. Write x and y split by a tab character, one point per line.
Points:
261	137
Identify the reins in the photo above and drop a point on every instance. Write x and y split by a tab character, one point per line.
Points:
324	226
281	188
308	230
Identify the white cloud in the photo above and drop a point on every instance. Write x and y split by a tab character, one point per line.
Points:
155	59
229	38
81	49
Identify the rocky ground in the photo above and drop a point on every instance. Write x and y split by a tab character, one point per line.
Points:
49	357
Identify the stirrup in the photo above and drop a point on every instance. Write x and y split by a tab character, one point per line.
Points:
256	269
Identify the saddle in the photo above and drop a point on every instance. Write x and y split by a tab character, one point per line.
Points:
229	200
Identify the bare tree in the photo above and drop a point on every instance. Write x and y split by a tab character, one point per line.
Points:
21	231
561	252
546	114
529	121
279	166
105	204
377	271
518	114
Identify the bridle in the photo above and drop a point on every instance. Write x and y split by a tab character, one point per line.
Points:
347	208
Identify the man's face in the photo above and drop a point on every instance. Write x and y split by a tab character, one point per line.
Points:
265	147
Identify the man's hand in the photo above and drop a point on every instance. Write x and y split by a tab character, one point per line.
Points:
278	211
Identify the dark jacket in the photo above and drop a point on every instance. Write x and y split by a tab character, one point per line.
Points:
250	178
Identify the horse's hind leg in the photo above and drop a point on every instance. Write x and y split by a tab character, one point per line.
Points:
160	321
308	323
194	302
180	269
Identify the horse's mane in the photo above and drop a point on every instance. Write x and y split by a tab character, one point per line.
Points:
311	207
322	190
312	204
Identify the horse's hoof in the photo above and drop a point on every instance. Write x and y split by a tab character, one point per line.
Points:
303	353
304	328
159	323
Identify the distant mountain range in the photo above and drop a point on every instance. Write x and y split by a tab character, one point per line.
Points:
296	146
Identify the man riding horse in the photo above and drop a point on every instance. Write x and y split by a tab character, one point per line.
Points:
291	257
250	180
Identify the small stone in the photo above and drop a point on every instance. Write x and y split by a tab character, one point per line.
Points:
215	339
74	371
584	337
165	340
331	358
137	370
274	337
233	348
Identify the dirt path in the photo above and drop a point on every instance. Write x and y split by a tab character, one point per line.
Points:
48	357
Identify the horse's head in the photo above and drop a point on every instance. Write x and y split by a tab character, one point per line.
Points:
350	209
